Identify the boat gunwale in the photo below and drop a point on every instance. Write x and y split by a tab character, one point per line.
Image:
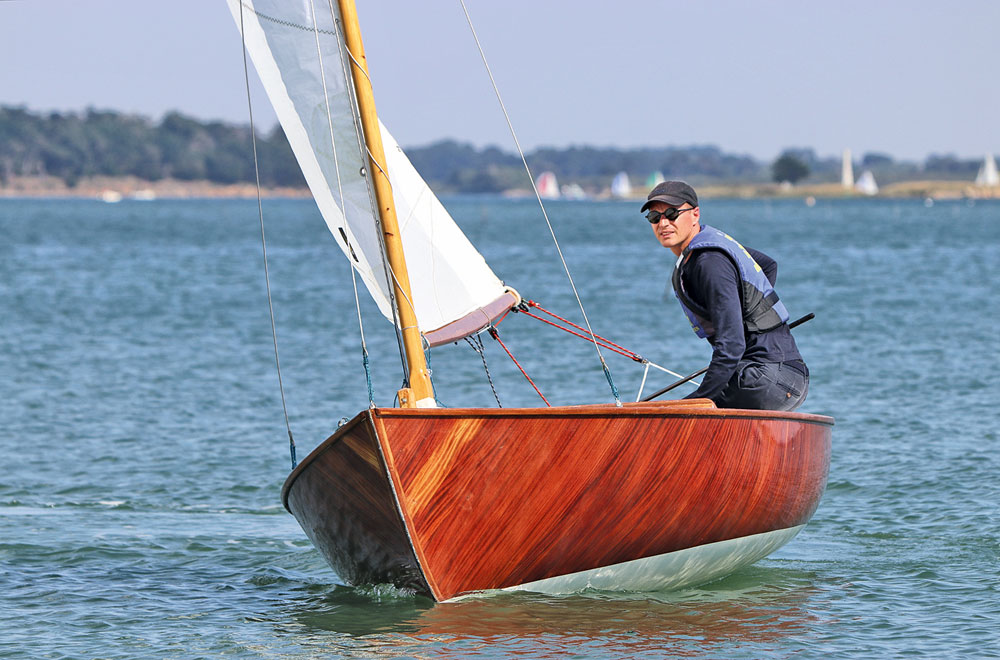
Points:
680	409
632	409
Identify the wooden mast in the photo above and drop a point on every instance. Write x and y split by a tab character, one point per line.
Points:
420	392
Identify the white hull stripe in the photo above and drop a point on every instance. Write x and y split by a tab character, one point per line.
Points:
672	570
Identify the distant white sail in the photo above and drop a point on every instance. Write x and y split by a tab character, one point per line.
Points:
620	186
866	183
654	179
302	68
988	172
548	187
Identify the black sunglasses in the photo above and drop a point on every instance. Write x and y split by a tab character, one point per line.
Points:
669	214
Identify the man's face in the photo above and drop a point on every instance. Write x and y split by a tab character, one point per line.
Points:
676	234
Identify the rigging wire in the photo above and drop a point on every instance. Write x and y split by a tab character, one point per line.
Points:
606	343
343	210
510	125
363	148
477	345
263	242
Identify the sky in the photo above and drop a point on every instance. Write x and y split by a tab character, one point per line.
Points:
907	78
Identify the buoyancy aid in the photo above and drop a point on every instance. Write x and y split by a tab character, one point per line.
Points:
761	308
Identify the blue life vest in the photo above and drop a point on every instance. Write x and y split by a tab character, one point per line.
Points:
762	310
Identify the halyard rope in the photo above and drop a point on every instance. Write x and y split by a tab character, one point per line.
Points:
605	342
493	333
263	243
510	125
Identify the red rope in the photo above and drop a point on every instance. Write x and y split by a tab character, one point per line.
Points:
493	333
606	343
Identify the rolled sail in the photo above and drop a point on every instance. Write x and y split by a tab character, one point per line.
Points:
301	62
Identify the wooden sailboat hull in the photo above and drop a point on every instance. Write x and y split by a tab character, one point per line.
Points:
646	496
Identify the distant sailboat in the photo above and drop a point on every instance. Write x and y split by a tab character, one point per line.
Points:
988	172
866	183
573	191
548	187
621	188
655	179
847	171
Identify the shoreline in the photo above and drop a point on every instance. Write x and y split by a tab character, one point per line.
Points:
113	189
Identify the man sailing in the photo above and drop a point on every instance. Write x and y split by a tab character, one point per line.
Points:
727	292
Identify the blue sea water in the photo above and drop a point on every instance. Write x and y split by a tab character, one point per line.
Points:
143	444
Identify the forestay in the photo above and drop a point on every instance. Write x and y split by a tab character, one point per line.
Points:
300	61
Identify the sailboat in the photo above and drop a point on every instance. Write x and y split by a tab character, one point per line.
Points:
455	501
987	175
621	188
866	184
547	185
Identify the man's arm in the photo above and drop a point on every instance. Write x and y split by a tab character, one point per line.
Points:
767	264
712	278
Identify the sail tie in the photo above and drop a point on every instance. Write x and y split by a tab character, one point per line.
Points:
263	244
493	333
510	125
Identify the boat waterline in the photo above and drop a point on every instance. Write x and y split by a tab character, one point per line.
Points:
671	570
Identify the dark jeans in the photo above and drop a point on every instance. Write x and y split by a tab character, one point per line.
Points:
766	386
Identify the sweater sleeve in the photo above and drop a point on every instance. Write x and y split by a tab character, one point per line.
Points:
711	278
766	263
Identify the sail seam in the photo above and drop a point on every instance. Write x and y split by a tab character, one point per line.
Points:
280	21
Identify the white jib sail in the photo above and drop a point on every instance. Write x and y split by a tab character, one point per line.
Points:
300	62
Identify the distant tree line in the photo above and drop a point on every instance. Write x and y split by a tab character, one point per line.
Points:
75	145
71	146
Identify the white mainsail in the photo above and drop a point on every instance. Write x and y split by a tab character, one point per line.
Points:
866	183
300	61
987	175
620	186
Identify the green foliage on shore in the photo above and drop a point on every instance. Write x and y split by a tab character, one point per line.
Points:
789	168
95	142
71	146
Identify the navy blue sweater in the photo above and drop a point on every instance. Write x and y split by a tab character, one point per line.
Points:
712	281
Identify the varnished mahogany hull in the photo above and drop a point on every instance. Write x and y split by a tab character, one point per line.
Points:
450	501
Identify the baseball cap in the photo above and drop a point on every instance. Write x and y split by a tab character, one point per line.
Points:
674	193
